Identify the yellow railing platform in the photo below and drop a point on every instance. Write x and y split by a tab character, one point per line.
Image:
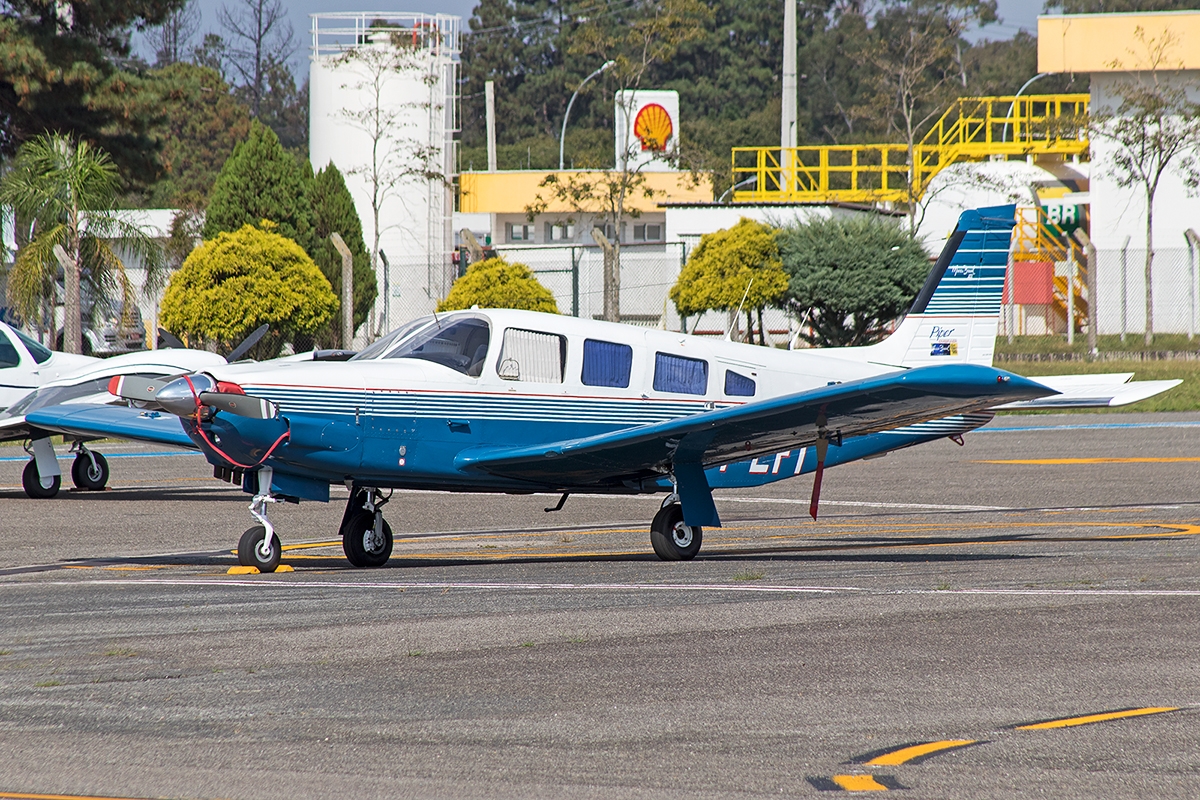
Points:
971	129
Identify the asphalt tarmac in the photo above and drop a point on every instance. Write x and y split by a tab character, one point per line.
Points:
1014	618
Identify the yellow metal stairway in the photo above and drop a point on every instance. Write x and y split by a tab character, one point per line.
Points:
971	129
1036	238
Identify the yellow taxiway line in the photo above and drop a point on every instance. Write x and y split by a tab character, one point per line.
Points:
905	754
32	796
859	783
1070	722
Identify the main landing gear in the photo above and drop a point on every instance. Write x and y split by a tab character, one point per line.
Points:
41	479
671	538
366	535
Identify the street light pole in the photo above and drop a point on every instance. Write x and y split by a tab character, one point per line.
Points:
563	136
1016	98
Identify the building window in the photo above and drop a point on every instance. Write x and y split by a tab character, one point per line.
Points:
532	356
738	385
610	232
680	375
606	364
647	233
559	231
519	233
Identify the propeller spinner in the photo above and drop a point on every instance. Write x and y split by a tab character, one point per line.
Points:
179	396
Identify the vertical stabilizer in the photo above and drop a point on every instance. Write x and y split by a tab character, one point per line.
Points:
956	316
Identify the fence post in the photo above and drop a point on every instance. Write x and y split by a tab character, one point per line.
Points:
1193	249
1124	289
575	255
1089	251
347	289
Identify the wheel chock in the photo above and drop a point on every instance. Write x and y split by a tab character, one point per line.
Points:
239	570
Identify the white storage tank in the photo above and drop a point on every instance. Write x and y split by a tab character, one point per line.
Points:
383	108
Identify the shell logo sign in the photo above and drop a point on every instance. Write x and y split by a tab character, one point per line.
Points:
653	128
646	129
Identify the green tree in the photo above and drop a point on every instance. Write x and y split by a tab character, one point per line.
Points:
261	180
235	282
733	268
204	125
63	192
851	277
496	283
58	73
333	212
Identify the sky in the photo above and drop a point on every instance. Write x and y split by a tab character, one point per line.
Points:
1015	15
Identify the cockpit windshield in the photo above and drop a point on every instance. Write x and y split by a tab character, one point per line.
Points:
459	342
379	347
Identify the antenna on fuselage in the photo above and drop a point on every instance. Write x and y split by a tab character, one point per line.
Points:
737	316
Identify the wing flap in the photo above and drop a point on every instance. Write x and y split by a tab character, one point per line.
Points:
119	422
767	426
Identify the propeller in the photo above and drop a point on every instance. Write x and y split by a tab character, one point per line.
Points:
134	387
241	404
247	343
169	340
179	395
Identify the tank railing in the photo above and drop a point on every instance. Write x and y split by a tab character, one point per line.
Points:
336	32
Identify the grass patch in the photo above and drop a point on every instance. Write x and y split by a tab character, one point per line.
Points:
527	644
749	575
120	652
6	652
415	653
1184	397
1109	343
48	684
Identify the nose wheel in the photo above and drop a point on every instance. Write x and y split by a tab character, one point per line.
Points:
255	550
672	539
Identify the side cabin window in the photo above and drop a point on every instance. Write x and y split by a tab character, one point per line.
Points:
738	385
460	344
606	363
532	356
679	374
8	354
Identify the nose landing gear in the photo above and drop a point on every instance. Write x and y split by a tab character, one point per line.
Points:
259	546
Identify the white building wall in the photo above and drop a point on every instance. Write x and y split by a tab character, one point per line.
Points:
416	116
1119	228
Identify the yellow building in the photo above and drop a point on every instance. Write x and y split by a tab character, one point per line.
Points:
496	203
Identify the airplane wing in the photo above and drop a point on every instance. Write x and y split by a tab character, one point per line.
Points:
687	445
1092	391
119	422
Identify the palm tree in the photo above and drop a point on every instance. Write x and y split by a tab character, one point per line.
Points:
62	192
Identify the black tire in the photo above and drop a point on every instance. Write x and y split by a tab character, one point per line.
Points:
249	554
31	481
671	539
86	475
357	540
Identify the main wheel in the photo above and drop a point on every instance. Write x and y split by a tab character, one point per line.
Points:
363	547
671	538
31	481
250	553
88	475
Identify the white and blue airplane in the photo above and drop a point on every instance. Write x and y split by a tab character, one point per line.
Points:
495	400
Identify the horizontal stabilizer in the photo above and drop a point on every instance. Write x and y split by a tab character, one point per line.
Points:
1093	391
116	421
729	435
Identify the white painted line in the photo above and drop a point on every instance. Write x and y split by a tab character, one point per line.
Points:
267	581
